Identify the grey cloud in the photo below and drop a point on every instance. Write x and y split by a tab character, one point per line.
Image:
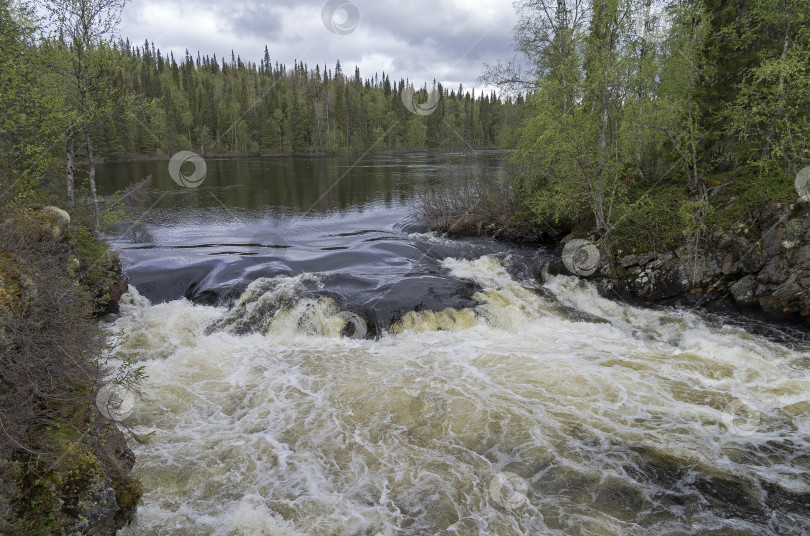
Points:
420	40
259	20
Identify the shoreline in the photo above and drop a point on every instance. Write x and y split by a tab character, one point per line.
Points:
759	274
159	158
65	443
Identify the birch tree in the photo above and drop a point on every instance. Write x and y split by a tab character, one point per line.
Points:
84	27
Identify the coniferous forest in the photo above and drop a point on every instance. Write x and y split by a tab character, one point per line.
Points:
233	107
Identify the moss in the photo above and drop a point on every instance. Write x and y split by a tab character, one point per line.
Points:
78	470
617	272
99	269
49	493
11	285
36	226
128	492
35	503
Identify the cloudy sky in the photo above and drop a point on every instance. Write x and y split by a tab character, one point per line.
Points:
448	40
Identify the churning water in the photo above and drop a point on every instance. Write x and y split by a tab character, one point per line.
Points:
484	403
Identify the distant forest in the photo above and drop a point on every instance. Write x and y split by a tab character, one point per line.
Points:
234	107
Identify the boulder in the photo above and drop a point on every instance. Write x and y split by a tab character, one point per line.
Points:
744	291
108	283
742	266
640	259
73	267
628	261
801	258
99	512
59	229
775	271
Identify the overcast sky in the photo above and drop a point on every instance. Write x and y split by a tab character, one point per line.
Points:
448	40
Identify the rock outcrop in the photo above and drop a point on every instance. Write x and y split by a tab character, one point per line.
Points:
764	269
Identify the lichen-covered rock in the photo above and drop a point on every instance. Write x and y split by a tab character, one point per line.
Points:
59	229
744	291
74	265
108	282
662	279
100	271
98	511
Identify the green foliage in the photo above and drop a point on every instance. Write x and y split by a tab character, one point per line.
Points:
28	106
693	215
769	116
744	193
90	252
650	222
656	123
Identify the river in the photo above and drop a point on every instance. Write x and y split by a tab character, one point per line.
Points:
479	401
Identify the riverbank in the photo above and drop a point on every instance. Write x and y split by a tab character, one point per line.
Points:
760	270
65	467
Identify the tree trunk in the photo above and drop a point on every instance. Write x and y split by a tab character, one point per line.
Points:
71	169
698	185
775	117
92	176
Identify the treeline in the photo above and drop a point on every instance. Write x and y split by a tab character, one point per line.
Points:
653	122
236	107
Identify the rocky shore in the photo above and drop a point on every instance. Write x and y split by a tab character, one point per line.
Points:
762	270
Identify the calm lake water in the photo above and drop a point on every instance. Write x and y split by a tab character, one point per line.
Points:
480	401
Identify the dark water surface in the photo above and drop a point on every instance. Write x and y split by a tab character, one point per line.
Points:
349	219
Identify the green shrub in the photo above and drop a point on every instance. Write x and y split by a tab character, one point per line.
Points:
650	222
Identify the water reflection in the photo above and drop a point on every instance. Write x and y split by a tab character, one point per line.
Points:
297	185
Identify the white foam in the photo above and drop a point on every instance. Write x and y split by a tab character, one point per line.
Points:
294	431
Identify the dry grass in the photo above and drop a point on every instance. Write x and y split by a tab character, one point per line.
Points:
467	198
